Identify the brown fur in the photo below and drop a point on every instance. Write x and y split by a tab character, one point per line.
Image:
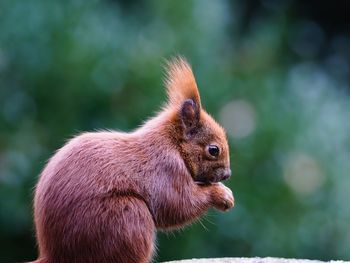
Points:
102	196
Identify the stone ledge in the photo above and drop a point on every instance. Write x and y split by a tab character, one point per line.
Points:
253	260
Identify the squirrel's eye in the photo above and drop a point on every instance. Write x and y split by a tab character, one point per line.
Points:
213	150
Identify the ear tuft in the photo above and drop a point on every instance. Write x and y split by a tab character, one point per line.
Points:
180	82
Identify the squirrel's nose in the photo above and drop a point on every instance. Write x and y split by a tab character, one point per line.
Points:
226	174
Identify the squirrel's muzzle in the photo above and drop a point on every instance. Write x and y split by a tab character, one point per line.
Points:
220	174
226	174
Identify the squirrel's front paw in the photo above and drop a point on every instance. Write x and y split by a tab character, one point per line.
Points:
222	197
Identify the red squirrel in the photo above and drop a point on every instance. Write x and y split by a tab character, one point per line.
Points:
102	196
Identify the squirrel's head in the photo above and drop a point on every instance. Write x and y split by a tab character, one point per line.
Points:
201	141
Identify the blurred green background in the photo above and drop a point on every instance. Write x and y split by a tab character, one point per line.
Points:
274	73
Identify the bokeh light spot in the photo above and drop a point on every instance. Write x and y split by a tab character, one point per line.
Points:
303	174
238	118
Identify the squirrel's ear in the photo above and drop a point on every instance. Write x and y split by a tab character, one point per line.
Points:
180	83
190	114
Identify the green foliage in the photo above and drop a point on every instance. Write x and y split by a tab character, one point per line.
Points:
72	66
